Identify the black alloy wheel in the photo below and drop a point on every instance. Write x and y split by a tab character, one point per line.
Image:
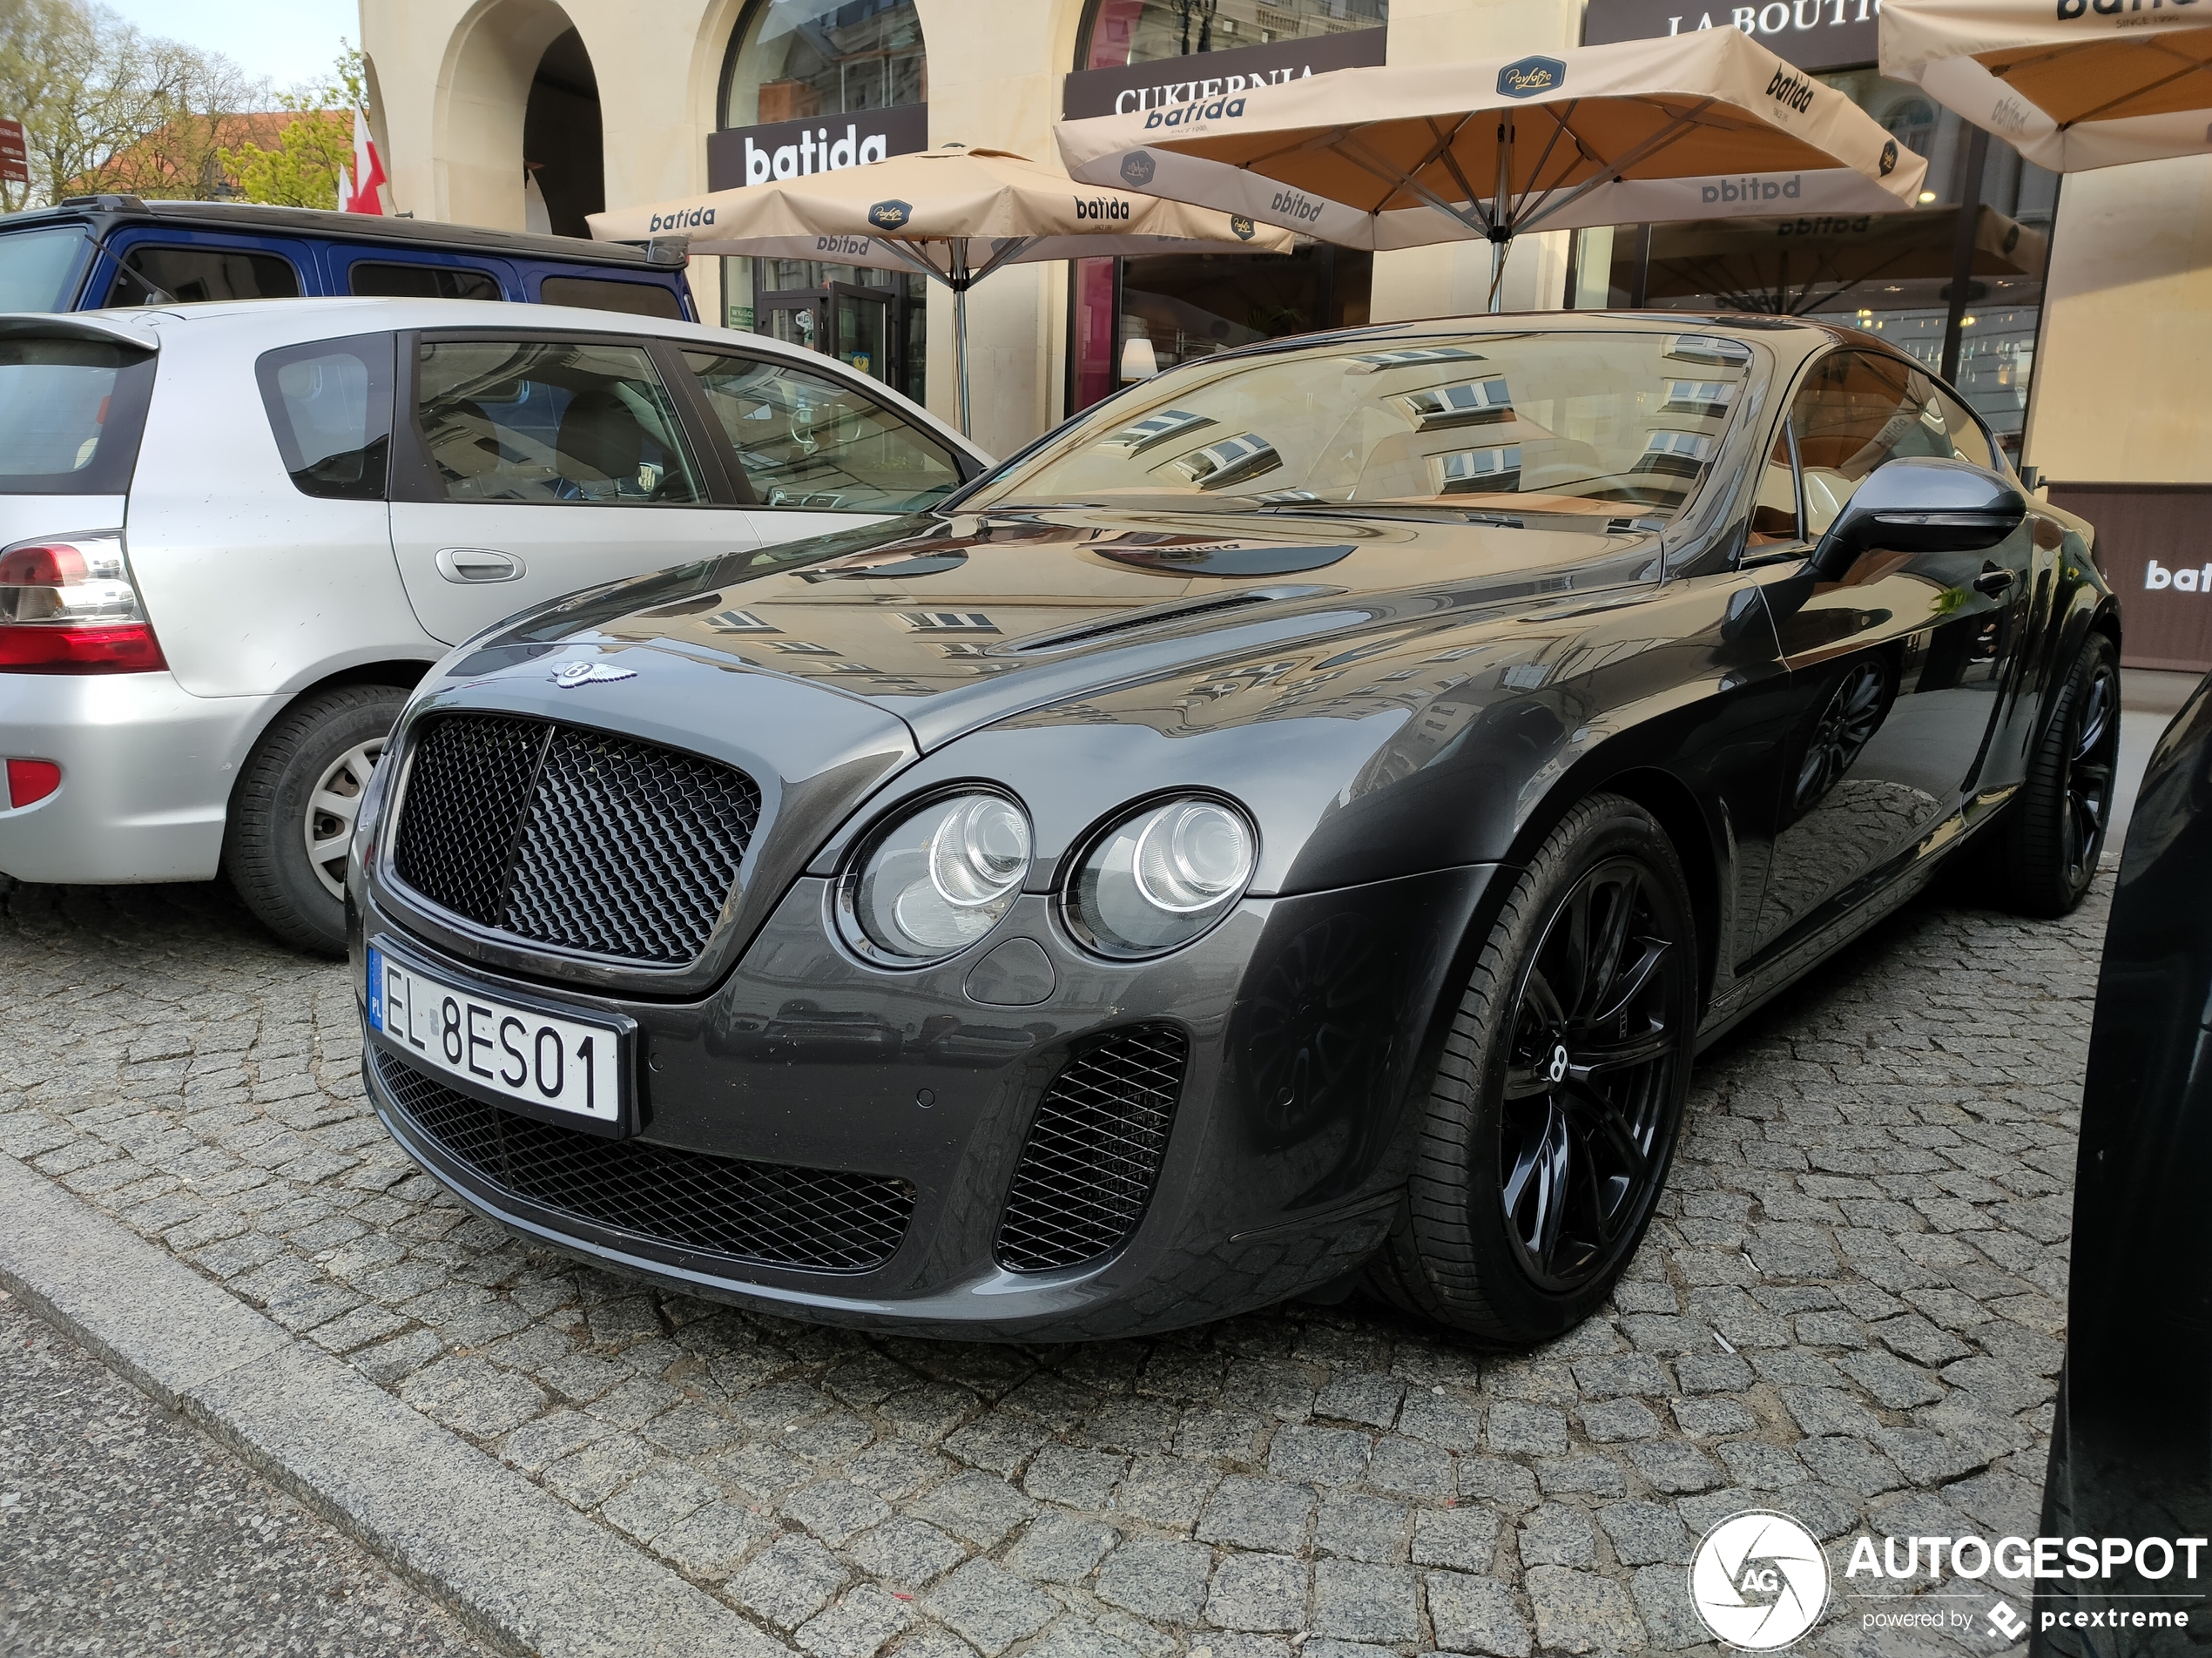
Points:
1846	725
1595	1041
2053	836
1552	1116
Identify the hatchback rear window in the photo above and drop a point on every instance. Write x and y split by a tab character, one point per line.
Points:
34	266
330	407
199	275
70	412
388	278
594	294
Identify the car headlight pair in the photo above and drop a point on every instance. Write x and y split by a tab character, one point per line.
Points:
941	877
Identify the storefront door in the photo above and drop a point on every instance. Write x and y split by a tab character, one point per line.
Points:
861	331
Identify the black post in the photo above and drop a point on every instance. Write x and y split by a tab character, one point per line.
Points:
1640	287
1962	250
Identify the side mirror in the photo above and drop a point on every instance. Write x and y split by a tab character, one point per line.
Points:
1919	505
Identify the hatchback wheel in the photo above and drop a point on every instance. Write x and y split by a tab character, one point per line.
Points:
291	818
2055	832
1554	1114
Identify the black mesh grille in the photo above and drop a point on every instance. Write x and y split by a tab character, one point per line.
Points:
815	1218
1093	1150
572	837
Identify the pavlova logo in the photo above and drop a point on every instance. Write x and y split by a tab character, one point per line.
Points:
1889	159
890	215
1100	208
1244	227
1758	1581
681	220
1526	76
1137	169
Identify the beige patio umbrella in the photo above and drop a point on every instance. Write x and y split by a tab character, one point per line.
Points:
1703	125
2070	86
953	213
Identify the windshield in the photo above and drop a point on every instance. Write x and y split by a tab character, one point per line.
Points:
1578	423
34	264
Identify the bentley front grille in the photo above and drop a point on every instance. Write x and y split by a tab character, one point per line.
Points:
571	837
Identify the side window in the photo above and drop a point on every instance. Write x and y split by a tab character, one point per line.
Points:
198	275
585	423
330	407
593	294
1774	510
392	280
805	440
1968	441
1855	410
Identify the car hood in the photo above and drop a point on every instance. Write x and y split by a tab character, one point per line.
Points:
955	623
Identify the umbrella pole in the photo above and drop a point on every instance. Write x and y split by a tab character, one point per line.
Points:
1501	217
1500	247
960	350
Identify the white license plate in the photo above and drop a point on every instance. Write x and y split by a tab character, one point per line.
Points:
519	1053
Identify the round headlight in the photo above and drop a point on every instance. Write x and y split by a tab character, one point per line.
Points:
1161	878
938	880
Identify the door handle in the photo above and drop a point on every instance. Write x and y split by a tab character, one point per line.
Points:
1993	581
475	565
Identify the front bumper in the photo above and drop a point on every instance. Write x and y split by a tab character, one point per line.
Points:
1309	1020
146	774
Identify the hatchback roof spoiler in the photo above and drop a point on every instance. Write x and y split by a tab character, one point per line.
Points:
78	325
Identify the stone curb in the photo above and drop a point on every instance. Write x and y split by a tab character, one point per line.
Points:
520	1566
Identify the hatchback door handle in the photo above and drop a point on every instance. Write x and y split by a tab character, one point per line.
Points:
479	565
1993	581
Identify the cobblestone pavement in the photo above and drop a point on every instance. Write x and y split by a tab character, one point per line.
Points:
125	1531
1850	1310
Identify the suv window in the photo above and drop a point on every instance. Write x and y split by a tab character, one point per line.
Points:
33	265
562	421
390	279
199	275
330	407
1857	410
594	294
805	440
70	411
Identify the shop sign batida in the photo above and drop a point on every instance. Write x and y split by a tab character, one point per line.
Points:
756	155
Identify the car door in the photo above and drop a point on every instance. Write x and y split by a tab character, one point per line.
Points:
543	463
1897	663
818	453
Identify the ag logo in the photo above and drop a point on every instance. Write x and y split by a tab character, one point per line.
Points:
1758	1581
1242	227
1889	158
890	215
1529	76
1136	169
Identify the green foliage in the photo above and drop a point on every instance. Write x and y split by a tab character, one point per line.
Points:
301	169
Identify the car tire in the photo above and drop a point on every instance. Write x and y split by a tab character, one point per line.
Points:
303	783
1543	1151
2053	836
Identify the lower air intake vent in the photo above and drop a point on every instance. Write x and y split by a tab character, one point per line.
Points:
1093	1150
814	1218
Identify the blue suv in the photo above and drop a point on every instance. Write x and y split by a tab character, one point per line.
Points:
91	252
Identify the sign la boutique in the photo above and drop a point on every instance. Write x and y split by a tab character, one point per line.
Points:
1811	34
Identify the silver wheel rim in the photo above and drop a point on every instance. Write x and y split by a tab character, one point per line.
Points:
333	805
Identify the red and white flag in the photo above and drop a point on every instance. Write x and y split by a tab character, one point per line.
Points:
360	187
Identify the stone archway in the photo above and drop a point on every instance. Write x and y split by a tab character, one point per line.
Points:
516	69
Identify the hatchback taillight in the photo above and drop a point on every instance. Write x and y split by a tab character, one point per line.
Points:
68	605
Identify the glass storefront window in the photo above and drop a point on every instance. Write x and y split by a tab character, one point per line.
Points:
1184	306
796	58
1984	213
1122	33
870	320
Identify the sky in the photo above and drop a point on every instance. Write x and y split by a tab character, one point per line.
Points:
288	41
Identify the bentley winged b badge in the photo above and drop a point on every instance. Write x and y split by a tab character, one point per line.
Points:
570	674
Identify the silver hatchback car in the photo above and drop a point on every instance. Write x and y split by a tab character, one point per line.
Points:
234	536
